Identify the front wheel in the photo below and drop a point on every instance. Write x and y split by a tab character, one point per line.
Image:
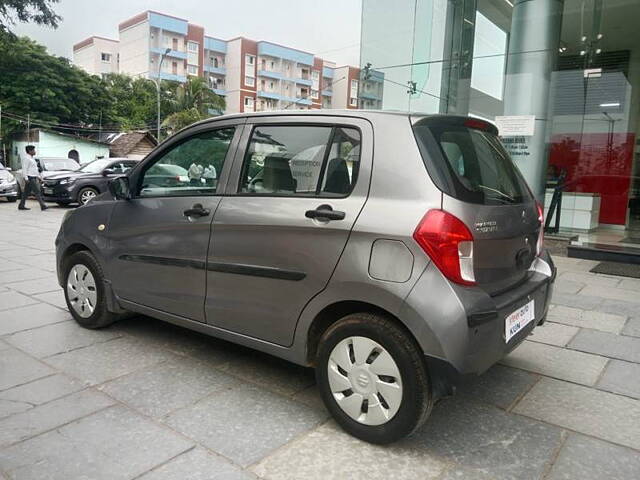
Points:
373	378
84	291
86	195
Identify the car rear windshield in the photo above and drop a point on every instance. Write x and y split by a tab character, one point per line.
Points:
473	165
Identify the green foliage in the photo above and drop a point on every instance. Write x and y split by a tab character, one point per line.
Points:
179	120
48	87
33	11
191	102
133	101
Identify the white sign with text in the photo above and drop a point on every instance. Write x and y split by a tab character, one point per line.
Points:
516	125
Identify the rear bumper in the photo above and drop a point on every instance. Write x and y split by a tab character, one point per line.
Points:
465	327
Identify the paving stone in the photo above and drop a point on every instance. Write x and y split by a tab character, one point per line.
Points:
271	419
17	368
632	284
607	344
483	437
592	459
24	273
611	293
499	386
620	307
163	388
557	362
590	279
458	473
24	397
621	377
601	414
566	264
40	285
632	327
60	337
114	443
596	320
105	361
310	396
576	301
553	334
567	286
43	261
9	299
32	316
9	265
269	372
53	298
50	415
329	453
198	464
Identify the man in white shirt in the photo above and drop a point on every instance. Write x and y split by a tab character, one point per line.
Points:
31	179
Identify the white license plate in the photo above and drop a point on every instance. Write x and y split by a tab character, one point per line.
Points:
48	191
518	320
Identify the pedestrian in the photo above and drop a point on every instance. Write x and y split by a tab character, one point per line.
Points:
210	175
31	176
195	174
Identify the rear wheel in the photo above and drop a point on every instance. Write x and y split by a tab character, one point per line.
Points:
86	195
84	291
373	378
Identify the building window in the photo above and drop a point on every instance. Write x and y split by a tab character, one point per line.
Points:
192	70
249	81
315	74
105	57
273	65
192	47
174	68
249	104
353	101
354	88
250	59
314	93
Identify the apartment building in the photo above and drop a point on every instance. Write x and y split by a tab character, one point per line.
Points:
252	75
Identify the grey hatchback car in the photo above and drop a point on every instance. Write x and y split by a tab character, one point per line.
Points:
395	253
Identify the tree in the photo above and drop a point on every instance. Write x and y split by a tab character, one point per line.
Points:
33	11
48	88
133	101
192	101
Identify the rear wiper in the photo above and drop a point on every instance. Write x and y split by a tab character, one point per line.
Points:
502	194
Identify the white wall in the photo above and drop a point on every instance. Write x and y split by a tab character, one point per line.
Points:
233	62
341	87
85	58
100	46
134	49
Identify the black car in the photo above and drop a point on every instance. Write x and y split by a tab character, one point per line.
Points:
49	166
82	185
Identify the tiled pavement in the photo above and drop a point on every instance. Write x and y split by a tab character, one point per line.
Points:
143	399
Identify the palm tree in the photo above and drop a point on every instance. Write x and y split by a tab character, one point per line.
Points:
192	101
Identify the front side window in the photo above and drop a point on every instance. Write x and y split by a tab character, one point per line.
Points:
301	160
190	168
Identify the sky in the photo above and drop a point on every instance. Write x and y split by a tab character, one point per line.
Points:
328	28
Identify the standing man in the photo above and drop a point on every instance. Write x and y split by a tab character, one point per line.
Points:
31	179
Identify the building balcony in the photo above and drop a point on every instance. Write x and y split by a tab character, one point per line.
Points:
216	70
173	77
277	96
270	74
172	53
219	91
304	81
370	96
327	93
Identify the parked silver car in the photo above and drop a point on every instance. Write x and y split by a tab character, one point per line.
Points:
395	253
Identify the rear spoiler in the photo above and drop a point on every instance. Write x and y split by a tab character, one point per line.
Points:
457	120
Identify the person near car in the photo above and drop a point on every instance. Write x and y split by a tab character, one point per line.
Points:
31	174
210	175
195	173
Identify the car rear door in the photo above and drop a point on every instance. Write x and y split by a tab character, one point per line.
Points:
298	184
159	239
485	190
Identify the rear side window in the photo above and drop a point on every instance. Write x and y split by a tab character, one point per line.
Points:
479	169
294	160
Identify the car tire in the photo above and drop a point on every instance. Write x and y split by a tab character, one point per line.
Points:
87	194
12	199
391	360
84	291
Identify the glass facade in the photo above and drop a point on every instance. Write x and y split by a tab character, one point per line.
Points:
560	78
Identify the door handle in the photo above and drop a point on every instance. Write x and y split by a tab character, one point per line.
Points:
197	211
325	212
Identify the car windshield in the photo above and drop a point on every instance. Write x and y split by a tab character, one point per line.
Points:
52	164
96	166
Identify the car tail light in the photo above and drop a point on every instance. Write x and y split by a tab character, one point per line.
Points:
449	243
540	241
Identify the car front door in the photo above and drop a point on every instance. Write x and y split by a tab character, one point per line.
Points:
159	238
296	189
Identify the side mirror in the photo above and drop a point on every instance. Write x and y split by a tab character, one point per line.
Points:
108	171
119	188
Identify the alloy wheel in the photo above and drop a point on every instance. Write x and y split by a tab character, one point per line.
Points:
365	380
81	290
86	196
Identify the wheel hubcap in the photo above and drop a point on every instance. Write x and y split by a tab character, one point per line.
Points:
87	195
81	290
365	380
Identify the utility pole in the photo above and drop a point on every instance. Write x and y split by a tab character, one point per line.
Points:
158	88
28	127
